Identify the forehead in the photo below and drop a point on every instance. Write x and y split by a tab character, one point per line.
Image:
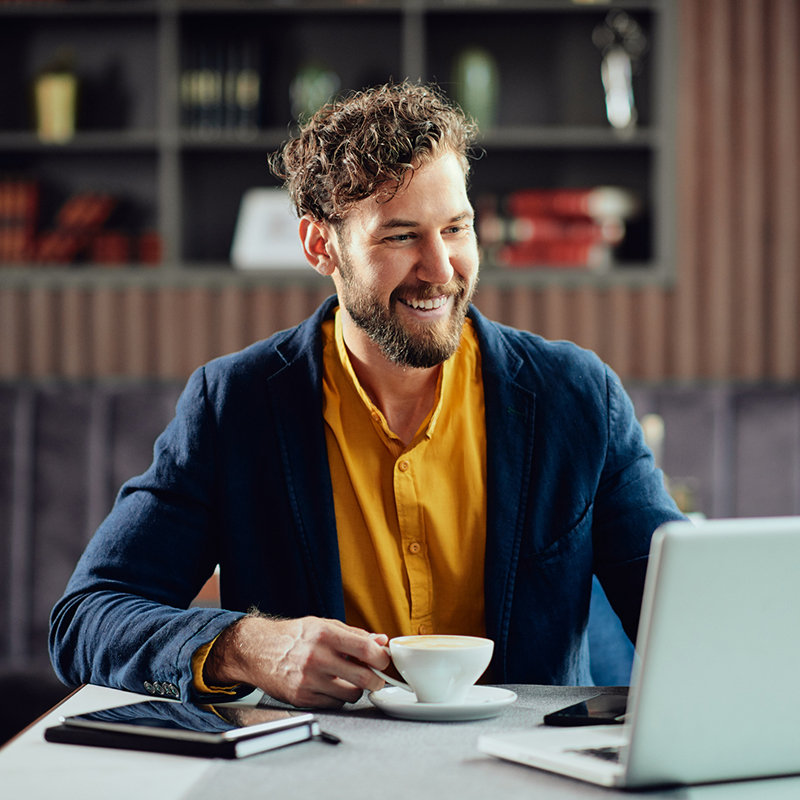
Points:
435	188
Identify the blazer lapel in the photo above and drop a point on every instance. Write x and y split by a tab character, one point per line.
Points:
296	397
510	437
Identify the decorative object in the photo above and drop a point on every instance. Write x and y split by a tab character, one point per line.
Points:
312	87
622	43
477	85
266	232
55	98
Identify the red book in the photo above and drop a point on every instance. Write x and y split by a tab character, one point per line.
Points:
585	255
78	223
87	212
557	229
599	202
57	247
111	248
19	204
150	248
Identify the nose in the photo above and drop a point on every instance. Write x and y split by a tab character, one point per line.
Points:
434	262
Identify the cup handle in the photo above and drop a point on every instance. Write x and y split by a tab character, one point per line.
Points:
398	684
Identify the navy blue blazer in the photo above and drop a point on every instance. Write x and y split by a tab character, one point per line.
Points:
240	478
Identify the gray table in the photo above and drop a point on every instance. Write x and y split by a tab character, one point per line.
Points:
379	758
382	757
393	759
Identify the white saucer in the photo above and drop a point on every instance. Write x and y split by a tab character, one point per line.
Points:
481	702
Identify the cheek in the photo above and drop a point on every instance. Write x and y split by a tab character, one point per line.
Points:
373	287
467	260
388	275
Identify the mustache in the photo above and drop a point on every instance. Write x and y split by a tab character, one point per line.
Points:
455	288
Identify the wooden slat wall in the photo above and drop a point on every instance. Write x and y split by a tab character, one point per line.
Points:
784	200
733	313
138	333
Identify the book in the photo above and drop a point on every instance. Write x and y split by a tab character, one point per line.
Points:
166	726
525	229
598	202
78	222
220	86
149	249
19	208
592	255
561	227
110	248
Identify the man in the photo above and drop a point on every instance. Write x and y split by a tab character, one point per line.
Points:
395	464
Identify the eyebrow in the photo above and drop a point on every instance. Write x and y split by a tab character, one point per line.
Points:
408	223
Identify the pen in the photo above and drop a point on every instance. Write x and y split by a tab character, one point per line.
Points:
328	738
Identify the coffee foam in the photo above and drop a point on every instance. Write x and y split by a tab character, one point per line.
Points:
440	642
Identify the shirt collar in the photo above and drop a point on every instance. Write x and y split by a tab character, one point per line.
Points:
429	425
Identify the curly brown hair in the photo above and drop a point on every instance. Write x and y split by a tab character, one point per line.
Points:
369	141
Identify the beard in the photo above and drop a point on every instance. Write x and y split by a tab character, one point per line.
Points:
413	344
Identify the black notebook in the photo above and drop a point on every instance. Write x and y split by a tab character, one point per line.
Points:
165	726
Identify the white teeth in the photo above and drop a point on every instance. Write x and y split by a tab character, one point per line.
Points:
427	304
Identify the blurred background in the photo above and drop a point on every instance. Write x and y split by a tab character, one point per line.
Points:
638	192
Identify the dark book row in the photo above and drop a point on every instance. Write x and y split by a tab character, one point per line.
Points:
220	85
80	230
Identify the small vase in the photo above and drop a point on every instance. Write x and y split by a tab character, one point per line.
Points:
477	85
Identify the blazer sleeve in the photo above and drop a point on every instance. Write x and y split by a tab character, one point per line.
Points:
124	620
631	502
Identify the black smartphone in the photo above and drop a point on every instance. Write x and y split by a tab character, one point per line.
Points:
602	709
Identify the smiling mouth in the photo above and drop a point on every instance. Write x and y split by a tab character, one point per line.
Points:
425	305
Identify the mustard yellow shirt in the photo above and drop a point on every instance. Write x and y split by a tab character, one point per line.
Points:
411	520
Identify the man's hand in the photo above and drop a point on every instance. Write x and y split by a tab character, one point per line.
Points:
307	662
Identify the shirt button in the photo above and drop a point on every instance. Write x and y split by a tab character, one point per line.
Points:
414	547
403	466
376	416
422	630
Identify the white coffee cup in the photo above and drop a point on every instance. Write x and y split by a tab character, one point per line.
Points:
438	668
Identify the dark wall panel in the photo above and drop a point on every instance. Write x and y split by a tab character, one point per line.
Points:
767	453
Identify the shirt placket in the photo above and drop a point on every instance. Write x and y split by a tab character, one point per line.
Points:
413	539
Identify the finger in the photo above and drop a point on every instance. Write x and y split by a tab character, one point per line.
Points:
366	648
332	693
328	692
346	691
319	700
358	675
328	661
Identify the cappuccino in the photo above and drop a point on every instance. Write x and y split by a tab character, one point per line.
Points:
439	668
434	642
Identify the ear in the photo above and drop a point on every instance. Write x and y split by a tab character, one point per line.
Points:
318	246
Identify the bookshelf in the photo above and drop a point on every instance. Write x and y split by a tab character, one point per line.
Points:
180	172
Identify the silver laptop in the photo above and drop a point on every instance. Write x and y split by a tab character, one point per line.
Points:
714	695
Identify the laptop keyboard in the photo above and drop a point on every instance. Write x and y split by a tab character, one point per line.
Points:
606	753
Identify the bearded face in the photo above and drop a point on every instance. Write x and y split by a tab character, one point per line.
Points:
407	343
407	265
